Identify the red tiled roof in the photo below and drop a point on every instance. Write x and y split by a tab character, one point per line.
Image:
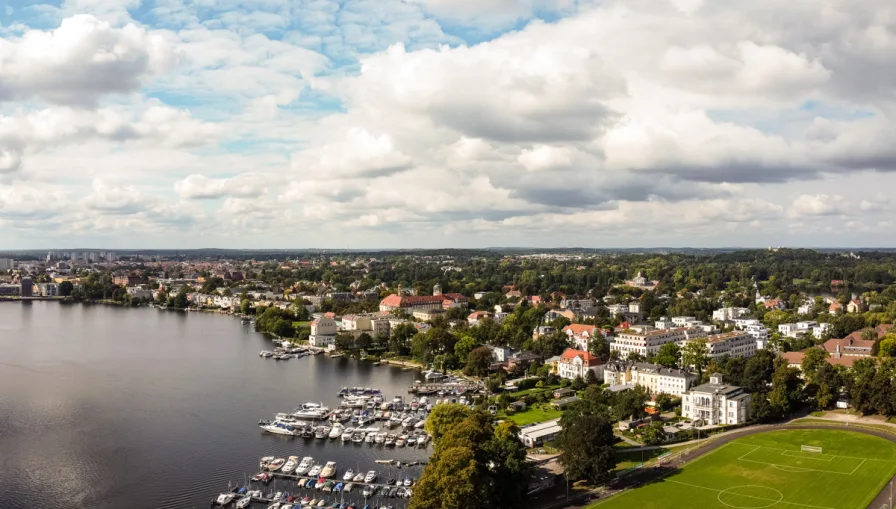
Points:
587	358
580	328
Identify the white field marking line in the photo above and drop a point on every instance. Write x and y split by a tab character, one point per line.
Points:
755	448
831	455
880	486
802	455
748	496
795	469
857	467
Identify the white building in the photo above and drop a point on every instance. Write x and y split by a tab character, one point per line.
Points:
538	434
726	314
576	363
323	332
716	403
819	330
732	344
47	289
653	377
787	329
7	264
759	333
140	293
663	323
682	321
649	342
806	326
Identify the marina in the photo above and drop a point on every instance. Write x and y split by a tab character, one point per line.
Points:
166	415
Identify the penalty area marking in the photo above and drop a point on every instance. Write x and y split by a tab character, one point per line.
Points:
802	456
779	501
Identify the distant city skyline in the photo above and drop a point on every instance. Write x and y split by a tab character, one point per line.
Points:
446	123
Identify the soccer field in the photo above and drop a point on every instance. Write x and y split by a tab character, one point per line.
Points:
768	470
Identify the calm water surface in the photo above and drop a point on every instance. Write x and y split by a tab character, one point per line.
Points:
111	407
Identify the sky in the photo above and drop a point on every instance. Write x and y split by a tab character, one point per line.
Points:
447	123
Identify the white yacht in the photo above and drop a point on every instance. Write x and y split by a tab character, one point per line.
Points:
370	477
349	475
347	434
311	411
337	430
280	428
329	470
304	465
379	438
370	438
291	463
315	471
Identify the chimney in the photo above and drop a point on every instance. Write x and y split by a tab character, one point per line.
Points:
837	352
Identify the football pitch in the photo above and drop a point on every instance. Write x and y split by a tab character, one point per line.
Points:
769	470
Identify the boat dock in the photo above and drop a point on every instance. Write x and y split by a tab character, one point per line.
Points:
457	388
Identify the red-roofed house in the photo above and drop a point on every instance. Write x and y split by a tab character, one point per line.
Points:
474	317
581	334
422	302
854	306
795	359
835	308
575	363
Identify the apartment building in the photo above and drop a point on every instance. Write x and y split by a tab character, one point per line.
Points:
653	377
716	403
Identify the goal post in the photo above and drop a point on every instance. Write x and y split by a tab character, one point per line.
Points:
810	448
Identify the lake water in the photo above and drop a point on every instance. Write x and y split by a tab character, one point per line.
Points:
111	407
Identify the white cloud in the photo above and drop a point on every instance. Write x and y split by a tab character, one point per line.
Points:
200	187
545	157
10	160
360	154
817	205
81	61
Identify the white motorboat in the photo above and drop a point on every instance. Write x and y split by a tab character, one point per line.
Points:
280	428
315	471
379	438
329	470
337	430
349	475
370	477
358	437
359	477
291	463
225	498
266	354
263	464
321	432
304	465
276	464
370	438
311	411
244	502
402	440
347	434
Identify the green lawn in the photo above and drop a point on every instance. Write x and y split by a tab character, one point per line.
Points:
533	390
769	471
531	416
628	459
301	324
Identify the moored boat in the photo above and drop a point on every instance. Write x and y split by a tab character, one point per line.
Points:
329	470
291	463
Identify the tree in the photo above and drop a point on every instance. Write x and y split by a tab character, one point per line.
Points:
451	480
180	300
66	288
586	444
364	341
668	356
600	347
400	340
464	346
786	390
445	416
345	342
758	371
478	362
694	356
493	385
813	360
887	346
591	378
653	434
578	383
760	409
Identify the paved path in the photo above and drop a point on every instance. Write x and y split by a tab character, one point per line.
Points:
638	478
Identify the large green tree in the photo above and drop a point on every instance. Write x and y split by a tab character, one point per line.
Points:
695	355
668	356
586	444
